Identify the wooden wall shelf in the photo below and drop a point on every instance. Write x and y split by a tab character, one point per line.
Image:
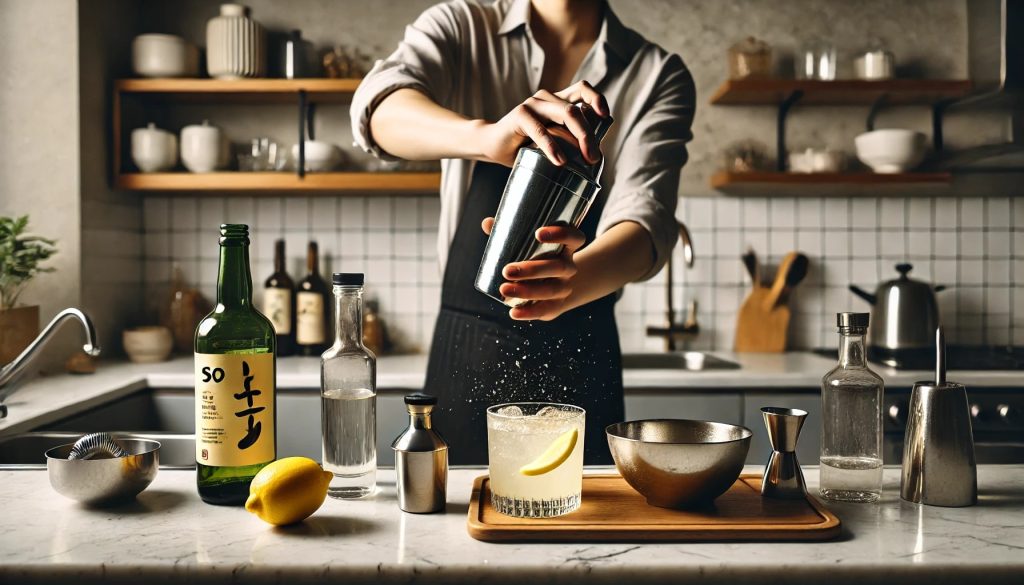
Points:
249	90
356	182
298	92
829	184
753	92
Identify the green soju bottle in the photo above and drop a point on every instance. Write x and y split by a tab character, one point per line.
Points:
236	432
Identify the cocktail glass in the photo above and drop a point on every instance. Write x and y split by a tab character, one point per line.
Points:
521	435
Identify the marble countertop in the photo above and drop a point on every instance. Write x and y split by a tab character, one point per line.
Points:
168	534
45	400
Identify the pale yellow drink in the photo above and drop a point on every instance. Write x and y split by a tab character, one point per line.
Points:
517	435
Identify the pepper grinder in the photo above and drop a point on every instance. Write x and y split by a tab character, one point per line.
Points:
783	477
939	468
421	460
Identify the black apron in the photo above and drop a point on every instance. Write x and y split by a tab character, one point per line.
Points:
480	356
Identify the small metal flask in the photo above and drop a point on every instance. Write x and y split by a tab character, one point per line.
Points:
939	467
421	460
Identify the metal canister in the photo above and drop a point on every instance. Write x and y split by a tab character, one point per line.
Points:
421	460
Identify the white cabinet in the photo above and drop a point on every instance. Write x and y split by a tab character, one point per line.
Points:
724	407
298	429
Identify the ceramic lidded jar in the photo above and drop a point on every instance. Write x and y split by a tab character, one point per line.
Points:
153	149
235	44
203	148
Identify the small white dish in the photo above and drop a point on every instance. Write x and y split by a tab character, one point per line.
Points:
892	150
814	160
147	345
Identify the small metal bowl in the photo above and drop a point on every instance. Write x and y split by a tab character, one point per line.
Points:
104	481
678	463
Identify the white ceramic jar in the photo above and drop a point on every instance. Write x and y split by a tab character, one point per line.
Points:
235	44
203	148
159	55
154	150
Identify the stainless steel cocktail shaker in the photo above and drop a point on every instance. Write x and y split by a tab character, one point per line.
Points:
538	194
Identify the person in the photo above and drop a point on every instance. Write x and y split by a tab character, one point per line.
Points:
470	84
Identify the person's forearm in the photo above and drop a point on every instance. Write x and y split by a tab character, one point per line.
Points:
617	257
409	125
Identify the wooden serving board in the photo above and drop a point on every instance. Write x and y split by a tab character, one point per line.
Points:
613	511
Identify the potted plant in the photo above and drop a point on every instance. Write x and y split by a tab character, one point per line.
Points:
21	256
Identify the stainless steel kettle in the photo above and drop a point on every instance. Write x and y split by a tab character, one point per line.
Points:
904	317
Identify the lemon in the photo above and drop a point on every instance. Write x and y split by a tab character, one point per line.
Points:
288	490
555	455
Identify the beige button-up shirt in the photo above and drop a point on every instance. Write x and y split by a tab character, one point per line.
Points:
481	60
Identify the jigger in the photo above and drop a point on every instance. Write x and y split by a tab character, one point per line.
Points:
783	477
939	468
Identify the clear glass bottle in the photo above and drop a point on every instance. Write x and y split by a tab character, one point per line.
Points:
348	397
851	420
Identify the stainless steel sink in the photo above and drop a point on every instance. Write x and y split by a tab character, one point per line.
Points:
27	450
694	361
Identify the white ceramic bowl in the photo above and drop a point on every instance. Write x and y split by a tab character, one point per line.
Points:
891	150
158	55
320	156
146	345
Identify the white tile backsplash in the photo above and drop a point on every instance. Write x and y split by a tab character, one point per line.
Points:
972	213
969	244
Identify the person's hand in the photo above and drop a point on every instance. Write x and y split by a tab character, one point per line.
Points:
530	120
547	282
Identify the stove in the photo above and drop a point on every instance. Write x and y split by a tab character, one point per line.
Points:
958	357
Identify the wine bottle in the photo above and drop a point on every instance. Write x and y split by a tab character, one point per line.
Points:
236	414
311	302
278	303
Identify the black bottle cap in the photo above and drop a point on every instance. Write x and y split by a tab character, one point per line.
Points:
857	320
347	279
420	399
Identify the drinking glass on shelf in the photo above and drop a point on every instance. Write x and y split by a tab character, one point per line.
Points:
816	61
535	458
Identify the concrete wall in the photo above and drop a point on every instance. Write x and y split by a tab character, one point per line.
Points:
111	220
39	163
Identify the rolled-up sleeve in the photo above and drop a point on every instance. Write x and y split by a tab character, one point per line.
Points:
646	184
423	61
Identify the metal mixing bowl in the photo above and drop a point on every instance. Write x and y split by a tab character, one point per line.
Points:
678	463
104	481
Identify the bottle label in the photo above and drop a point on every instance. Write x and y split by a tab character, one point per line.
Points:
235	409
309	309
277	306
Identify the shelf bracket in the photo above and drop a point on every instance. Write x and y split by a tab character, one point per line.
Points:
303	106
938	110
310	117
780	129
876	106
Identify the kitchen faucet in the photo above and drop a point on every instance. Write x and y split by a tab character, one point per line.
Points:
10	373
689	328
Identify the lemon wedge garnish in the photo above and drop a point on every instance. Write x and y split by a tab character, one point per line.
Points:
555	455
288	490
